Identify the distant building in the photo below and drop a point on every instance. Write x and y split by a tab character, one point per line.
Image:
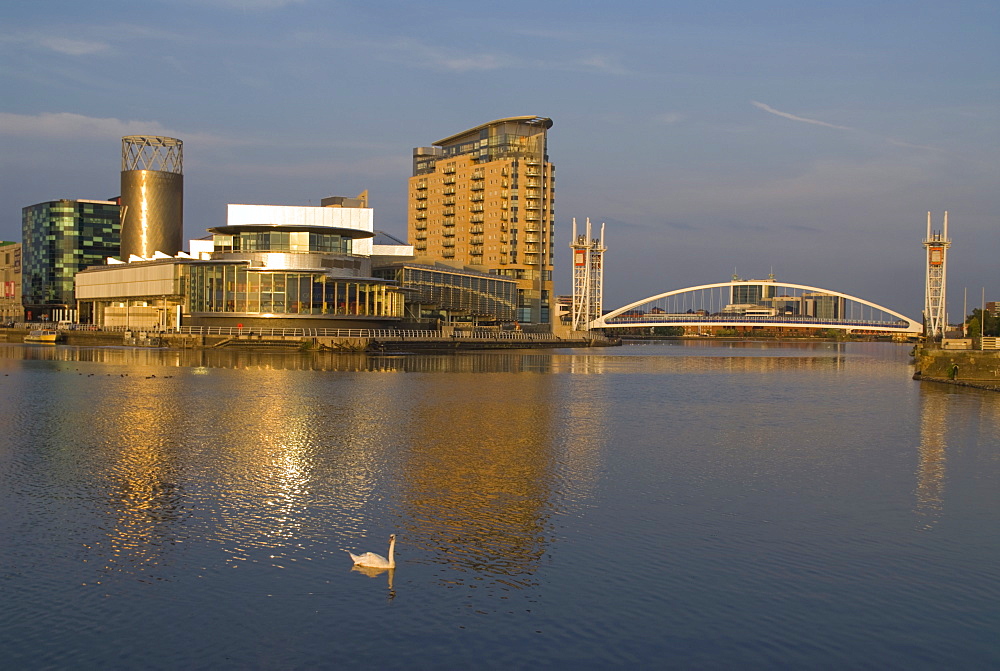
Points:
61	238
484	198
822	306
754	292
11	309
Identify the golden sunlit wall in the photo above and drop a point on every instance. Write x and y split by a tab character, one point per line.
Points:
485	198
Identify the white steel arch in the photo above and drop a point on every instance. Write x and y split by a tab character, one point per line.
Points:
912	325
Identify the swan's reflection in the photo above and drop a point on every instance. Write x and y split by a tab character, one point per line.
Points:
375	571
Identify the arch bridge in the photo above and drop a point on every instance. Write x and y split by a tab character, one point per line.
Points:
762	305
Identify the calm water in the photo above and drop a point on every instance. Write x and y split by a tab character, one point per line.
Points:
683	505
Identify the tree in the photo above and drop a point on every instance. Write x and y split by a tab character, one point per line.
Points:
981	323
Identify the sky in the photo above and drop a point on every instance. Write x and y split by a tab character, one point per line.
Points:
711	137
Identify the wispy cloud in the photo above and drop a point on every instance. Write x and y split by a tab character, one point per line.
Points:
70	47
438	58
817	122
605	64
910	145
255	5
63	125
69	126
786	115
668	118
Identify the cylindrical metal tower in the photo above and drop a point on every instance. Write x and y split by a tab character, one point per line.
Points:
152	193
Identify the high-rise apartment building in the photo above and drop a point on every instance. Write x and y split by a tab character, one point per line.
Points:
485	198
61	238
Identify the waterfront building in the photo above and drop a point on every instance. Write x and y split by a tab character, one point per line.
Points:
152	196
437	293
822	306
484	198
270	266
11	309
752	294
59	239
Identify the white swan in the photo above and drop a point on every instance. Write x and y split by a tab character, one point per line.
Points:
372	560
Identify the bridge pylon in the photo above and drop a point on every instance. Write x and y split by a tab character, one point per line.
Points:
588	277
936	243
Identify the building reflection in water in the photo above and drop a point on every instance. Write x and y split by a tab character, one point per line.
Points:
143	478
478	477
934	409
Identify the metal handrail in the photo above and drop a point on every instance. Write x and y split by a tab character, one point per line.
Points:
396	334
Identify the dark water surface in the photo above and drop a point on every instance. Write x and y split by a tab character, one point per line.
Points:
683	505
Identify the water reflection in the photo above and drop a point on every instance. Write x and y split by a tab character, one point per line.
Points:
477	482
932	453
586	361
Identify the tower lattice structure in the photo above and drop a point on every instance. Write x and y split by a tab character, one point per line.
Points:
588	277
936	243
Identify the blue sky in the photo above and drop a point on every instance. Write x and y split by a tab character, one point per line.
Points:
807	139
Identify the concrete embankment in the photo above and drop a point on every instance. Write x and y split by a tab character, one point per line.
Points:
313	343
969	368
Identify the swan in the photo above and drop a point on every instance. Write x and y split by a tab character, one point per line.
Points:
372	560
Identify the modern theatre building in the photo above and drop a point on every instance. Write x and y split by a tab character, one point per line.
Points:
269	266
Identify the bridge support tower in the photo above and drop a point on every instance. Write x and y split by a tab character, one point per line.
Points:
936	243
588	277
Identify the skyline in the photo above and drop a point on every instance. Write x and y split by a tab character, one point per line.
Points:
711	139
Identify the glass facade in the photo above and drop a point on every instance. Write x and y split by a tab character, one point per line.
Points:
473	294
234	289
61	238
282	241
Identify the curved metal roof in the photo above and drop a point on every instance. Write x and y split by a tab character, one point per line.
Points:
353	233
544	122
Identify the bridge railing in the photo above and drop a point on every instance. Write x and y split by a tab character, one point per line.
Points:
640	320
